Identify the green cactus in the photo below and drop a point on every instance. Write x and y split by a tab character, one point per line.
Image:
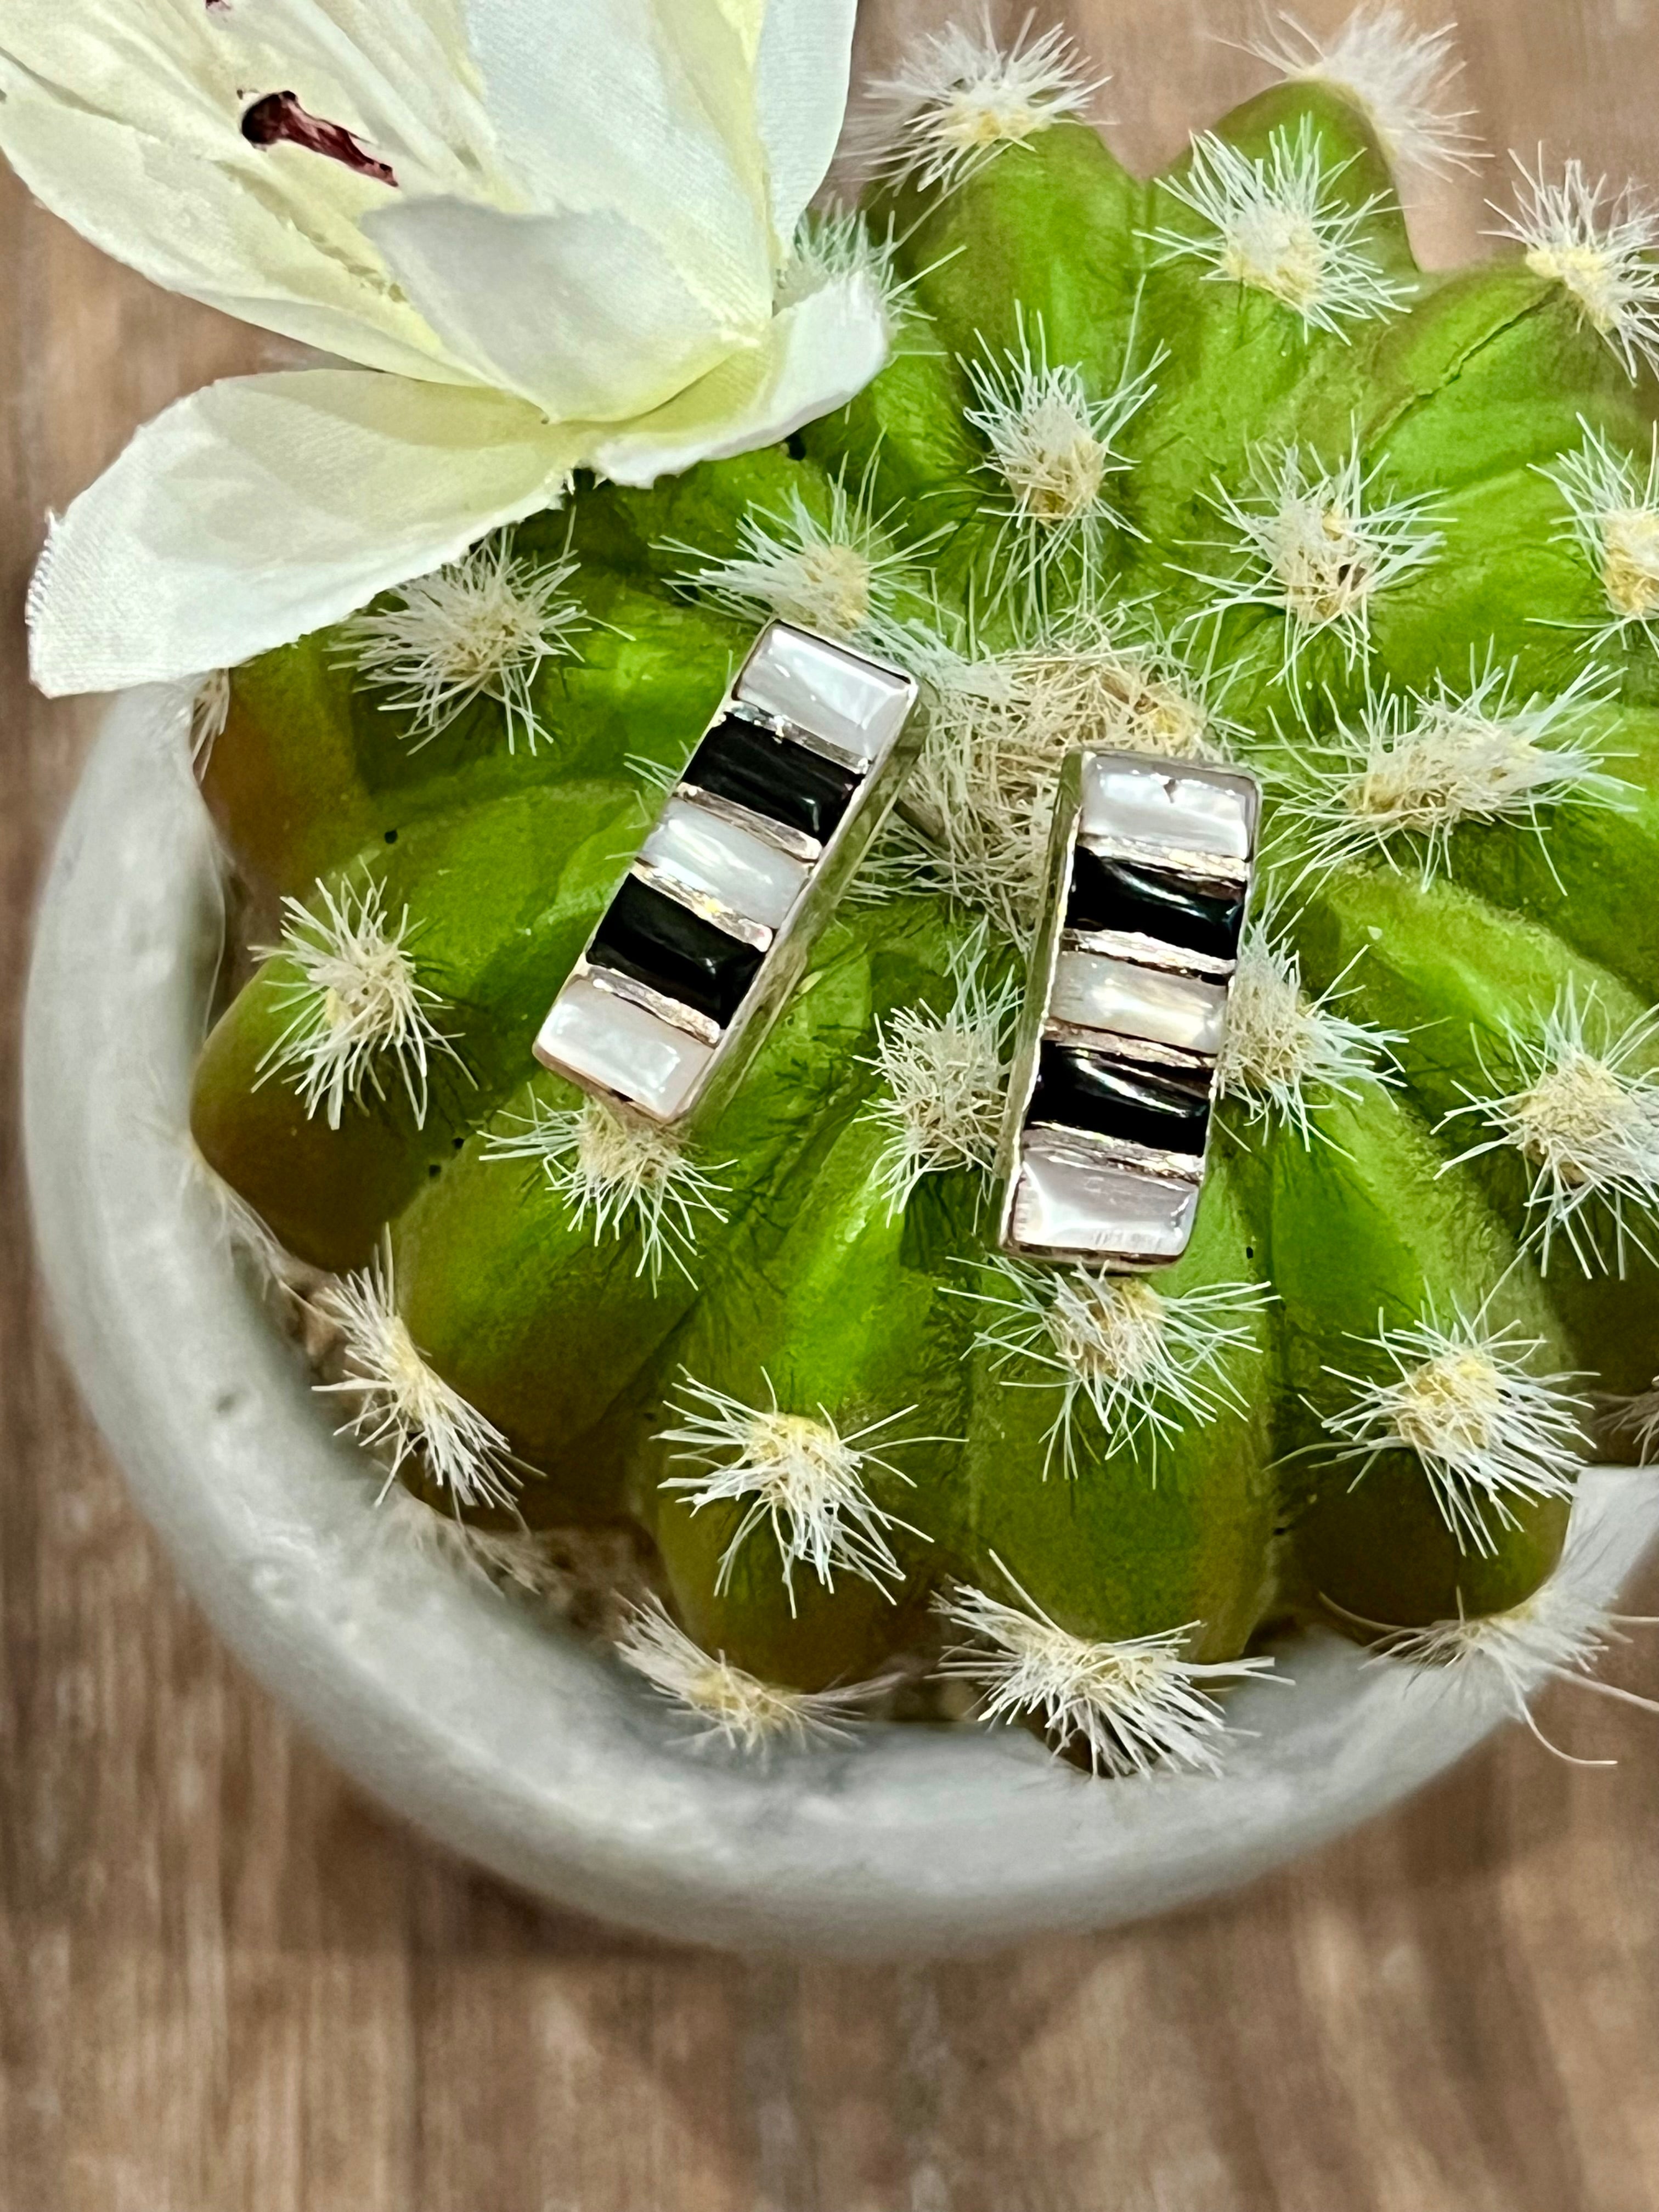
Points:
1203	466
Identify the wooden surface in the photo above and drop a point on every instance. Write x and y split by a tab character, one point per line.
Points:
227	1981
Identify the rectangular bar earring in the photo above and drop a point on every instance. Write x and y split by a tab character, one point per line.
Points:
701	945
1104	1134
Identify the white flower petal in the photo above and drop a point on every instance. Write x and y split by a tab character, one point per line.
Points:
583	315
816	356
182	210
397	73
800	89
266	506
160	69
644	106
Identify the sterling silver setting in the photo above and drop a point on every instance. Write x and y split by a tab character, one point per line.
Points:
1106	1130
705	937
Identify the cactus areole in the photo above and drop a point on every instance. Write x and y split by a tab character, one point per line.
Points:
1203	467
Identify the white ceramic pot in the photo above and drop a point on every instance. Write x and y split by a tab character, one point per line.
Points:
523	1749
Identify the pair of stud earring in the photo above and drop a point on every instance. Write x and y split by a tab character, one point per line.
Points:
1104	1135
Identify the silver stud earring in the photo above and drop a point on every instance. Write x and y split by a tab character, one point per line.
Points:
1104	1135
708	935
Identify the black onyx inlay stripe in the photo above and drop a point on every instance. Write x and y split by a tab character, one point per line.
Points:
658	941
1119	894
1085	1090
740	760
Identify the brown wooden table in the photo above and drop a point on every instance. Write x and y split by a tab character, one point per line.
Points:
227	1982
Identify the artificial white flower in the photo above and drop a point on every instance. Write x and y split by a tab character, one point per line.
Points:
553	237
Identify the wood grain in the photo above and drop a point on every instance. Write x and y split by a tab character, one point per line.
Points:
227	1981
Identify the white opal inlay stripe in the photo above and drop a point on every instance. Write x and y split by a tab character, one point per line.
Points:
706	853
1065	1201
857	706
1213	814
595	1037
1095	993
